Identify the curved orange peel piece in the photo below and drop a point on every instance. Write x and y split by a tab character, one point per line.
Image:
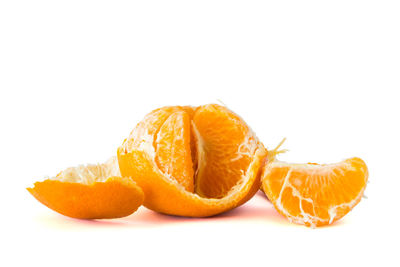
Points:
90	192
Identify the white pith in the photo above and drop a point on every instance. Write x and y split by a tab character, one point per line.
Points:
247	147
91	173
199	150
144	142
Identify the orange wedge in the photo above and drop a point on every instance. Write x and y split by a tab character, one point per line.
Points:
193	161
90	192
313	194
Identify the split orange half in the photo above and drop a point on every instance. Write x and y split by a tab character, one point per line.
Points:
313	194
193	161
90	192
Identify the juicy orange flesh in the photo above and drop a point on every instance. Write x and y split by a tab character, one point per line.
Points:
206	149
316	194
225	160
173	149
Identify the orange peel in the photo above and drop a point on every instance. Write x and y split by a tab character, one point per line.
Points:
90	192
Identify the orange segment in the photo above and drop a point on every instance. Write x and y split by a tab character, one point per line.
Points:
193	146
149	126
173	151
227	148
90	192
313	194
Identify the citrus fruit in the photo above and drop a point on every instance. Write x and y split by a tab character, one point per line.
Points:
90	192
314	194
193	161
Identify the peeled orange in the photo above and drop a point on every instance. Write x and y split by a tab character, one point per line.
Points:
90	192
313	194
193	161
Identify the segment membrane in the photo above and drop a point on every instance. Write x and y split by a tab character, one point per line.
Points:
173	149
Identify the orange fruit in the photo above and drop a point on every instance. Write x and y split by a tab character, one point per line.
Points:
314	194
90	192
193	161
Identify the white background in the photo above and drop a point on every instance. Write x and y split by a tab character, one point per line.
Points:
76	76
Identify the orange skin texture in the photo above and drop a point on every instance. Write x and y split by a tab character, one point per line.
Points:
315	198
116	197
168	197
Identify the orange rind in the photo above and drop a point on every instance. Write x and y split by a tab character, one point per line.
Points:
90	192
